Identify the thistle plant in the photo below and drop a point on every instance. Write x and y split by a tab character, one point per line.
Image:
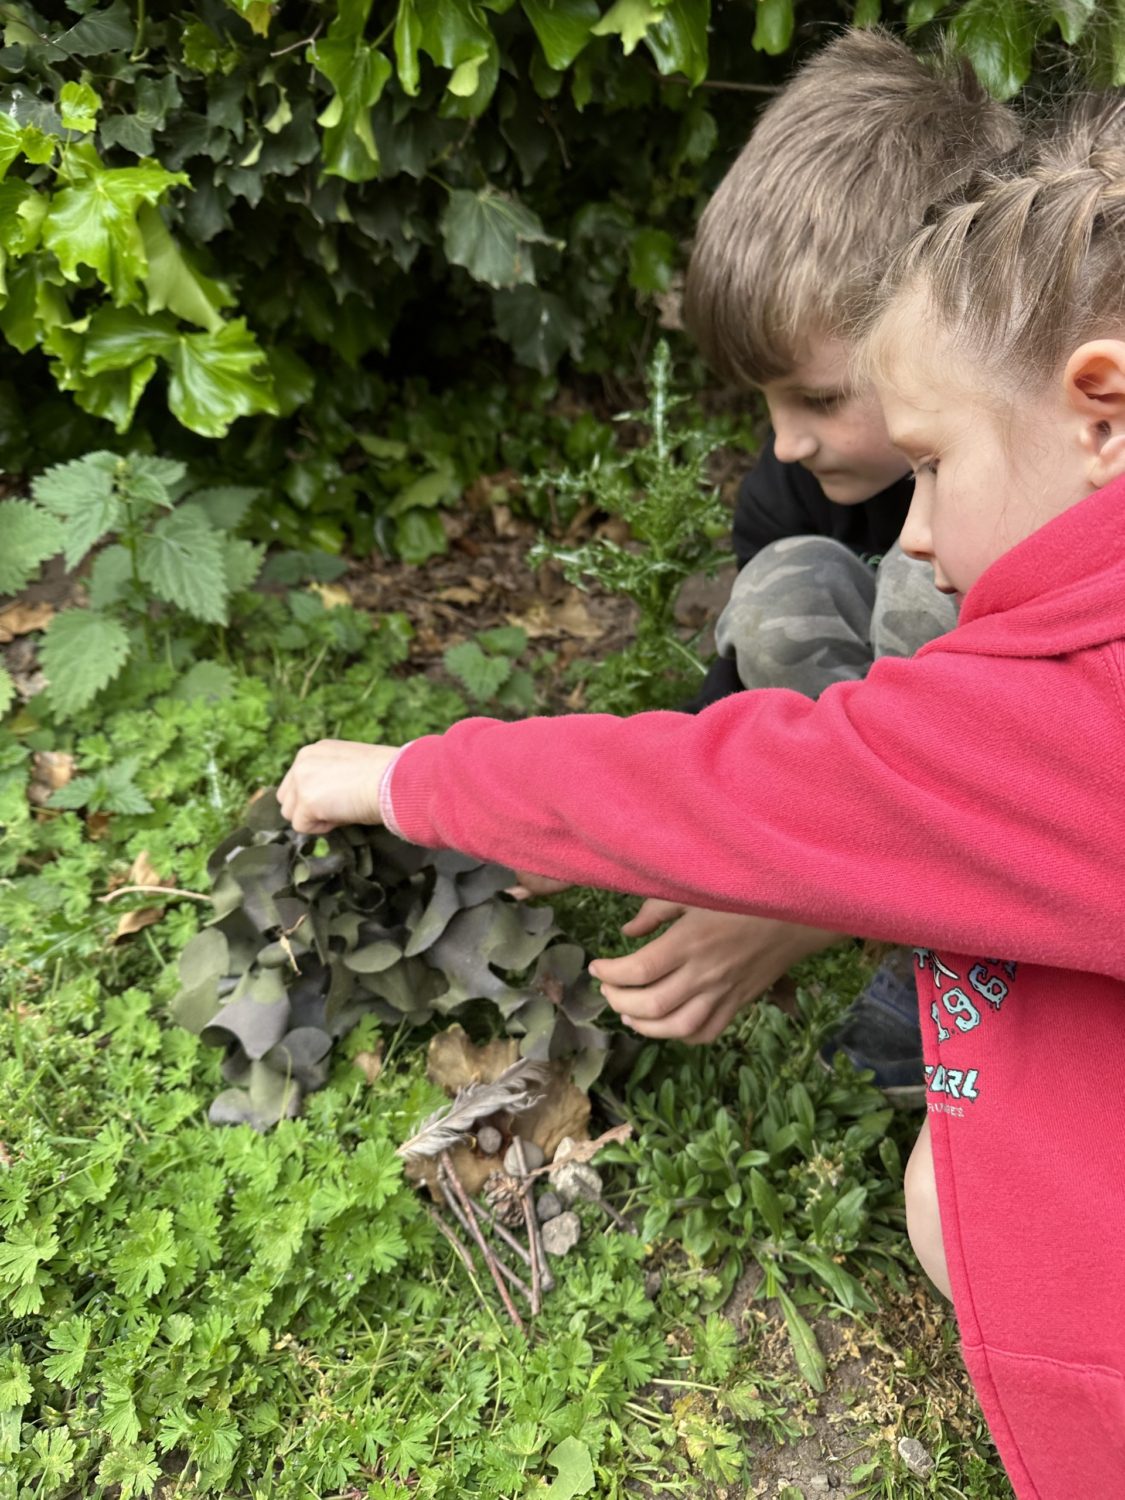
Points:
661	490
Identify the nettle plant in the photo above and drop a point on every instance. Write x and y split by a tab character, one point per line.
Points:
159	551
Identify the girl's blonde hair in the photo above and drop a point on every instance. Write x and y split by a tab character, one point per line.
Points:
1027	263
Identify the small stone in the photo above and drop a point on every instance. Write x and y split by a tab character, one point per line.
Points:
654	1280
489	1140
574	1180
548	1206
915	1457
561	1233
533	1156
566	1147
818	1482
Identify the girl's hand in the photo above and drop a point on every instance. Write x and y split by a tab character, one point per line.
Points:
691	981
332	783
529	885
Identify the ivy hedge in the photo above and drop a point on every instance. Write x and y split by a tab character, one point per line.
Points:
231	209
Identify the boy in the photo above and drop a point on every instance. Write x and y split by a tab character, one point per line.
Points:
836	175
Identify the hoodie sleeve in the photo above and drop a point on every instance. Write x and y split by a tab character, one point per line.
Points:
950	801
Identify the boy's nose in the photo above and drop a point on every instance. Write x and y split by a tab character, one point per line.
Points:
793	443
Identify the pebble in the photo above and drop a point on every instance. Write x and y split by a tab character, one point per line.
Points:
564	1149
548	1206
533	1156
915	1457
654	1280
574	1180
489	1140
561	1233
819	1482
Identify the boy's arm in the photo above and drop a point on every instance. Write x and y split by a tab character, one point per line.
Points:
909	807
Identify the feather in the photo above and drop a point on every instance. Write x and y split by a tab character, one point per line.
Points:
517	1088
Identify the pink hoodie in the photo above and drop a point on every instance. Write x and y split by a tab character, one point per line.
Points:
971	800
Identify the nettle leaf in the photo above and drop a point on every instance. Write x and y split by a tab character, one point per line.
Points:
488	233
83	494
82	651
482	676
93	223
182	561
31	536
175	284
563	27
217	377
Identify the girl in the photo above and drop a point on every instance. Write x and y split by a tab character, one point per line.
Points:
974	793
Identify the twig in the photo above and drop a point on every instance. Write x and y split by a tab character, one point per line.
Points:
482	1244
459	1245
505	1269
505	1233
305	42
535	1244
153	890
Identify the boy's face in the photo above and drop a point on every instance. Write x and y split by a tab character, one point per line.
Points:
835	431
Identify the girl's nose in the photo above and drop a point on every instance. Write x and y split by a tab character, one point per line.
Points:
916	540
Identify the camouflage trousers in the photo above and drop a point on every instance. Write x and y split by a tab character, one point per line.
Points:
807	612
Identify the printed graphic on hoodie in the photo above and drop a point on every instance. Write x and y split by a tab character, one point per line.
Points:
960	1004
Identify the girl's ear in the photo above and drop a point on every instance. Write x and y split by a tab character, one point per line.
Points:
1094	382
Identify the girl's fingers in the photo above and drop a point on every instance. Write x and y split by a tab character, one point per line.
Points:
655	1002
696	1022
652	914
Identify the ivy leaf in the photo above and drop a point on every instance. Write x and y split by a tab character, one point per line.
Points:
181	559
31	536
630	20
538	325
93	223
678	40
174	284
487	233
82	651
78	107
83	494
217	377
773	27
11	143
358	72
119	338
114	395
563	27
108	30
1072	17
997	36
408	39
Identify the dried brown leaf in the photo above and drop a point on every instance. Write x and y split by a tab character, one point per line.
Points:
22	619
370	1064
134	921
50	770
144	872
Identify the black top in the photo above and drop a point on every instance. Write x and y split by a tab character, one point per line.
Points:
777	500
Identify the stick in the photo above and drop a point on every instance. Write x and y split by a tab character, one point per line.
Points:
506	1270
482	1244
504	1233
458	1245
540	1274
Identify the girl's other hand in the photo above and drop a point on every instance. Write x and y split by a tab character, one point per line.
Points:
528	885
332	783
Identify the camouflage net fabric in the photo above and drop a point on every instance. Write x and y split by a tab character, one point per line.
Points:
311	934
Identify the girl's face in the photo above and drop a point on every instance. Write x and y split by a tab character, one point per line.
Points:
986	477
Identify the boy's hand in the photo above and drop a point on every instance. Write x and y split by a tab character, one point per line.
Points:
692	981
332	783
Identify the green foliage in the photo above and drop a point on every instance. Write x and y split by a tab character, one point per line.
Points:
169	550
660	489
486	668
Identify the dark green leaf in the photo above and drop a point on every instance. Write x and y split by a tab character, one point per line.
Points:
562	26
997	36
489	234
31	536
82	651
806	1350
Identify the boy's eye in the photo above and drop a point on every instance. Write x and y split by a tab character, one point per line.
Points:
825	400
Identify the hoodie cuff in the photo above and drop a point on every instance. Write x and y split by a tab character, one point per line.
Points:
386	799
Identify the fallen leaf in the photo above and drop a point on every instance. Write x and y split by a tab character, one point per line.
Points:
586	1150
331	595
144	872
571	617
98	825
370	1064
21	619
50	770
453	1061
134	921
456	595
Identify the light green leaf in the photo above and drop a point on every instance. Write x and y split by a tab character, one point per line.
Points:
217	377
678	40
82	651
7	691
773	26
424	493
488	233
94	222
11	143
562	26
119	338
408	38
175	284
418	535
110	577
806	1350
31	536
1072	17
997	36
181	560
71	1338
358	72
22	211
78	107
628	19
867	13
83	494
482	676
571	1458
114	395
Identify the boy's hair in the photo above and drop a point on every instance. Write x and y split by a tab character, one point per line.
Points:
835	177
1028	263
